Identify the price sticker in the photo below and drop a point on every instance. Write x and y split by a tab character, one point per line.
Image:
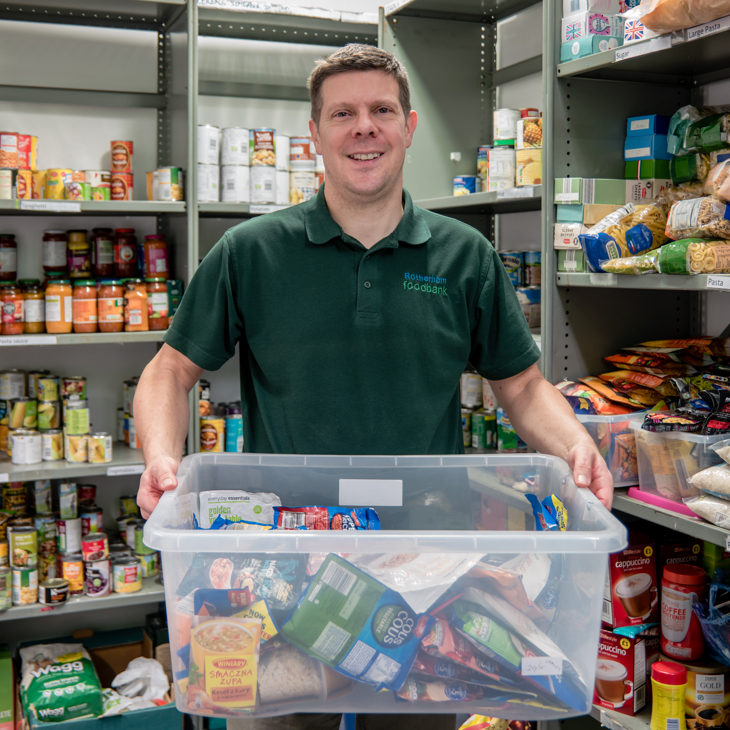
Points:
542	666
118	471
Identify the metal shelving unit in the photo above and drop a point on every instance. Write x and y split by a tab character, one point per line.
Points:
91	207
667	282
95	338
513	200
617	721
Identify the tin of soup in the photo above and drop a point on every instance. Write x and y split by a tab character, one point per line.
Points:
48	388
53	592
95	546
513	262
23	547
25	586
98	578
6	588
52	445
127	575
72	570
69	535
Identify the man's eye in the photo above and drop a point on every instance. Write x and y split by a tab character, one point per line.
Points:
384	109
341	114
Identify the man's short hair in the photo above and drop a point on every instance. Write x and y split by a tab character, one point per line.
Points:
357	57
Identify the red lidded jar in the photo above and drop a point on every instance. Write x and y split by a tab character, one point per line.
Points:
682	585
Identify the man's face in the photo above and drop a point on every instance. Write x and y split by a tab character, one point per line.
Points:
362	133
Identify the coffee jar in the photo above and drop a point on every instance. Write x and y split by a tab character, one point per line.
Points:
682	585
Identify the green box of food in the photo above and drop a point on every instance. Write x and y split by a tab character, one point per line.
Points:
569	214
571	261
584	190
7	695
174	294
647	170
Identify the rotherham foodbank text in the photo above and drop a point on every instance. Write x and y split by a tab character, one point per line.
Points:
425	284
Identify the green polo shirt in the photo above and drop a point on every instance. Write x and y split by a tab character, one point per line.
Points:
348	350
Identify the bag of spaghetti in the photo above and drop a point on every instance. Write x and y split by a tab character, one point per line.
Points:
694	256
628	231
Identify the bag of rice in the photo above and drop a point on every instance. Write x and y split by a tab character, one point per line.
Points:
710	508
715	480
58	682
722	449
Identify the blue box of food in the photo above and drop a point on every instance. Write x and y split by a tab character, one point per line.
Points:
587	46
648	147
569	214
648	124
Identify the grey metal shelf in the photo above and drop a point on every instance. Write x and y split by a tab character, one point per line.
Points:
87	97
617	721
151	592
701	282
697	528
466	10
126	461
503	201
690	57
95	338
90	207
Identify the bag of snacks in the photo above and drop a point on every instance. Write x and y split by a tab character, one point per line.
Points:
689	168
664	16
645	263
652	364
601	405
718	181
701	218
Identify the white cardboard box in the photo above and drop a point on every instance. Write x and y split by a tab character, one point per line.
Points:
609	7
566	235
580	25
642	191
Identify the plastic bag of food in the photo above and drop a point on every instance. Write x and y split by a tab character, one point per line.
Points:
719	176
715	480
644	263
694	256
722	449
708	134
652	364
679	123
700	218
326	518
236	505
608	390
664	16
713	509
600	404
689	168
674	193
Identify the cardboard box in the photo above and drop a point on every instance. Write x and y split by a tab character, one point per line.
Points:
569	213
587	46
647	170
674	550
635	30
649	147
631	593
592	23
620	674
572	261
566	235
7	689
713	557
596	212
610	7
579	190
639	191
647	125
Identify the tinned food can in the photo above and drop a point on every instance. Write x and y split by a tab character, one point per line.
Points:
483	161
262	146
38	185
478	435
139	546
150	564
502	168
466	184
56	179
127	573
87	495
27	151
263	184
47	387
92	521
128	505
24	185
235	184
73	387
4	552
6	588
53	592
129	533
234	146
76	448
15	497
466	426
208	183
505	123
100	448
72	570
98	578
122	186
25	586
68	501
513	262
69	536
9	149
52	445
209	144
490	429
12	384
301	186
122	153
212	434
529	298
23	413
170	184
95	546
533	268
26	446
49	415
528	167
471	390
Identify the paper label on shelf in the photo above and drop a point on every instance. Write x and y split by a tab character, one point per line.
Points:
371	492
117	471
716	26
525	192
727	539
603	279
641	49
718	282
45	609
610	722
266	208
57	206
542	666
28	340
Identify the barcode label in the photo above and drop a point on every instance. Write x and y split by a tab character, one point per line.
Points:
267	185
672	723
135	319
213	143
230	184
607	613
640	699
339	578
574	6
331	642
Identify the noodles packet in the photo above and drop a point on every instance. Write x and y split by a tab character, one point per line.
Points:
356	625
325	518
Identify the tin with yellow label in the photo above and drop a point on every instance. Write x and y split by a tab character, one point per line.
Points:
212	434
56	180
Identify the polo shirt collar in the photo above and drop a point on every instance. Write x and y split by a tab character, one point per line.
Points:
322	227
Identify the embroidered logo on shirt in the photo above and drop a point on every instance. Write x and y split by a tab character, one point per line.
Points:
425	284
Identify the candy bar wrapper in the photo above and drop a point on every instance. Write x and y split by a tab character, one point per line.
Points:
326	518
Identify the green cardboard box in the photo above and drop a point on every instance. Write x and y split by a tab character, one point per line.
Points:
571	261
585	190
647	170
7	686
569	214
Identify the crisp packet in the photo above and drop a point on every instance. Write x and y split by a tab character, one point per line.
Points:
671	421
326	518
550	514
480	722
356	625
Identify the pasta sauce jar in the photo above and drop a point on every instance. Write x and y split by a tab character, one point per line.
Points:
54	252
125	253
34	306
79	258
102	252
155	257
157	303
111	305
84	306
11	300
8	257
59	307
135	307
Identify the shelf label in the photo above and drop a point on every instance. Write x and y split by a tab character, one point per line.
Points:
641	49
716	26
118	471
525	192
4	477
610	722
542	666
603	279
56	206
718	282
267	208
727	539
16	340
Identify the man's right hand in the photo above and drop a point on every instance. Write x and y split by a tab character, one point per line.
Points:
158	477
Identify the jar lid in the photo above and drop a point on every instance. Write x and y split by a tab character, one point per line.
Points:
55	275
132	281
688	574
29	282
11	235
56	233
155	279
669	673
78	230
101	230
154	238
60	281
124	230
111	282
8	283
85	282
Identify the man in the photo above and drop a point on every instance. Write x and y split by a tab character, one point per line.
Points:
355	314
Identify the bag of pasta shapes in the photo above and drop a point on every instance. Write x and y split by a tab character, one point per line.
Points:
701	218
645	263
664	16
718	181
694	256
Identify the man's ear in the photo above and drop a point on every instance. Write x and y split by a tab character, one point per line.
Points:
315	135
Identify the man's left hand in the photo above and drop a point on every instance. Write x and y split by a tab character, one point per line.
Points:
590	470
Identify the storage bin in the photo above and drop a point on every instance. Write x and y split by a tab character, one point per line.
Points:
668	459
615	440
559	618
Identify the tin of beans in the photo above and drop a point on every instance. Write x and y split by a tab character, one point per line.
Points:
23	547
95	546
72	570
25	586
6	588
149	564
53	592
98	578
69	536
127	575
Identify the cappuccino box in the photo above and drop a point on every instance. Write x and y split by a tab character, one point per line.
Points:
673	550
630	595
620	674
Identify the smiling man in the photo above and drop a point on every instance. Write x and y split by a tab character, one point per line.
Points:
355	313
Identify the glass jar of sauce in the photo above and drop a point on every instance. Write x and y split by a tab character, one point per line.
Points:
111	305
34	307
11	301
8	257
79	255
125	253
157	304
156	258
59	307
135	307
84	306
54	252
102	252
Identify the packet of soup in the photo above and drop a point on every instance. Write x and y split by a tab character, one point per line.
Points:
356	625
235	505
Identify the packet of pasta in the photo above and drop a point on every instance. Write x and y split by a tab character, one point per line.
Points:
701	218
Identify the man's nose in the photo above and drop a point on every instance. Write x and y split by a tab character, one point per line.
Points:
364	126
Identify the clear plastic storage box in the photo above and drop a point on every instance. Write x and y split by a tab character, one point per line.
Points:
457	604
668	459
615	440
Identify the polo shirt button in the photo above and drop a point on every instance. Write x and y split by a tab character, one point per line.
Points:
367	284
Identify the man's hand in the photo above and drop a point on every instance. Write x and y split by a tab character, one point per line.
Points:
158	477
590	470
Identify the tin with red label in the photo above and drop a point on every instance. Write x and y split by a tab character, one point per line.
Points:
95	546
122	153
127	575
262	147
122	186
682	585
8	149
53	592
24	185
27	152
92	521
98	578
72	570
87	495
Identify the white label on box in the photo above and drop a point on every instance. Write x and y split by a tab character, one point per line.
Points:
638	152
29	340
371	492
4	477
716	26
57	206
639	124
718	282
118	471
542	666
566	197
525	192
604	279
